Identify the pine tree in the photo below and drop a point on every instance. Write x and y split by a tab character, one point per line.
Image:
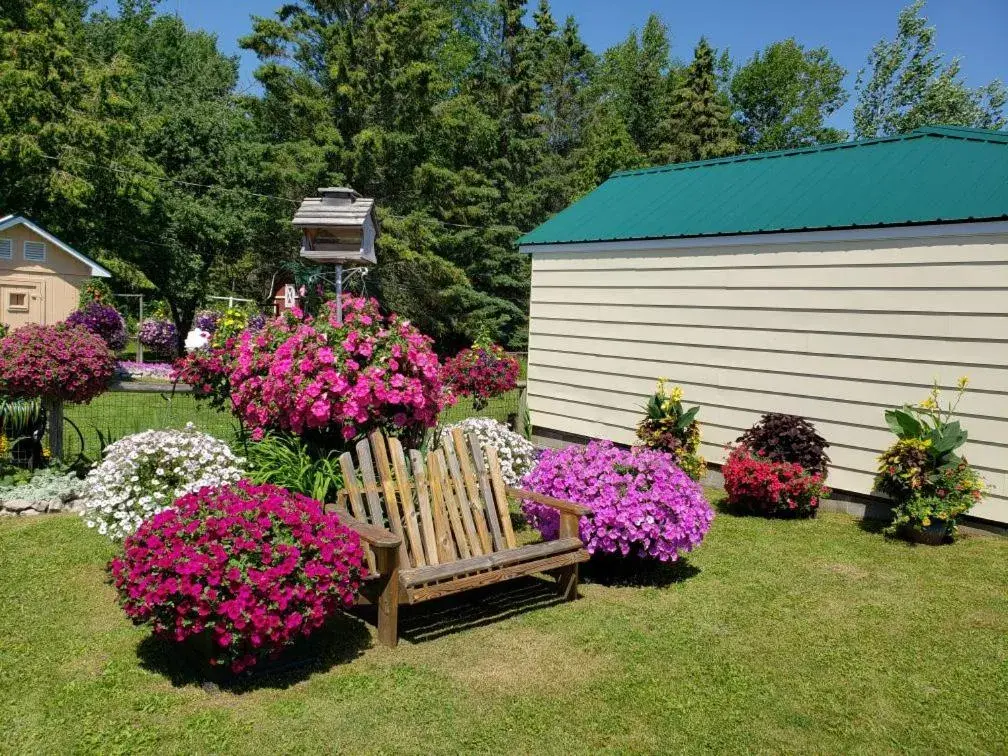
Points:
699	125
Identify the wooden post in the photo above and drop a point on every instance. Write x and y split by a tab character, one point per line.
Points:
387	565
567	577
54	418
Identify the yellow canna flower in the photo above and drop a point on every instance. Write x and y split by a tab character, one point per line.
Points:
963	381
677	394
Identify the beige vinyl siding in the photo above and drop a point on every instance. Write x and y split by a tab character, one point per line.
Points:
836	331
60	276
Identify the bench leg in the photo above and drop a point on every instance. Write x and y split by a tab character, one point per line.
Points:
387	565
567	577
567	582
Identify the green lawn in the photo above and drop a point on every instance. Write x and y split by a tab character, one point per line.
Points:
814	636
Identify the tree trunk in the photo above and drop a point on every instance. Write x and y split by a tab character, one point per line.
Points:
183	318
54	418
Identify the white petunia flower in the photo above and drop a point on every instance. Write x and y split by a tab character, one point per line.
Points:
133	481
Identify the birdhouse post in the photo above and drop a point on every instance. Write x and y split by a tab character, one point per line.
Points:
338	228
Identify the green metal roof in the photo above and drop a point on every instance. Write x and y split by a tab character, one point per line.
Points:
936	174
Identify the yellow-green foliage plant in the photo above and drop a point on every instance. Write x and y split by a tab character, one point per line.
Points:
930	484
670	427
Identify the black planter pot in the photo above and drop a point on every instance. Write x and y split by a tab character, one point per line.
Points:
935	534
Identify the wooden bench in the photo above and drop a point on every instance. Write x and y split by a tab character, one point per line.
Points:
439	525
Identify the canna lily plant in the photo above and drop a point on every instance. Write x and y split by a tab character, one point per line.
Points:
932	425
670	427
930	484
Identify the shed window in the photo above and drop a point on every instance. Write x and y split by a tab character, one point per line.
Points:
17	301
34	251
6	249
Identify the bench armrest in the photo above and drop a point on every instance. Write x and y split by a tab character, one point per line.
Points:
566	507
372	535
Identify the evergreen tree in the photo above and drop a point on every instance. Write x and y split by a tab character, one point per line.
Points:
699	125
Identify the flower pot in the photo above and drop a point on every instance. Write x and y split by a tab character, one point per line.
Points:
934	534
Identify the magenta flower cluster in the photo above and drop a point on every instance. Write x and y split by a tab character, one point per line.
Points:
643	505
159	335
482	372
302	374
254	567
102	320
60	362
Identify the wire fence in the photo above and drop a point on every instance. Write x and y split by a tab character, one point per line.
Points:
135	406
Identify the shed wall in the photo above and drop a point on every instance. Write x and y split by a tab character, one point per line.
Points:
60	277
837	332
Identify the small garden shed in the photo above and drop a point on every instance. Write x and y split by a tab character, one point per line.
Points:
40	276
831	282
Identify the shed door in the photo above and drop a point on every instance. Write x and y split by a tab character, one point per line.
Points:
21	302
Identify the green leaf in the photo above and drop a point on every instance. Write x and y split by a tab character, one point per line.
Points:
903	423
686	418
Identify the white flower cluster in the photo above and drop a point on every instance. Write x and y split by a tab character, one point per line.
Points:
517	455
143	474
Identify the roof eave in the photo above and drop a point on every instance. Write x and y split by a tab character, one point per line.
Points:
965	227
98	271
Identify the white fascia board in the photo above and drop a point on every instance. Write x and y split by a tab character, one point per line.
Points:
14	220
928	231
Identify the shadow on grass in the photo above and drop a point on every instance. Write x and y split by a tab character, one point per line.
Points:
341	640
617	571
875	527
723	507
476	608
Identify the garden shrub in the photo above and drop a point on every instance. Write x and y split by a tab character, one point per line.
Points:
642	504
670	427
95	290
768	487
290	463
788	438
254	567
516	453
102	320
929	483
160	336
335	382
142	474
229	325
207	370
481	372
55	363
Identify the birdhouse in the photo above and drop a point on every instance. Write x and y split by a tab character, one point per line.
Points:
338	228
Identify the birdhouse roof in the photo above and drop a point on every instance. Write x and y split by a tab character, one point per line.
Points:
318	212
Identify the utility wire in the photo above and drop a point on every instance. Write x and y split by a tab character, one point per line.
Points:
117	168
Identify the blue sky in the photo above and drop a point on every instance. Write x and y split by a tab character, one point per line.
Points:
974	30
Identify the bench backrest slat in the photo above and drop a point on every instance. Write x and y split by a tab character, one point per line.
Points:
477	544
475	451
428	512
438	468
500	496
447	506
374	493
411	520
352	487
